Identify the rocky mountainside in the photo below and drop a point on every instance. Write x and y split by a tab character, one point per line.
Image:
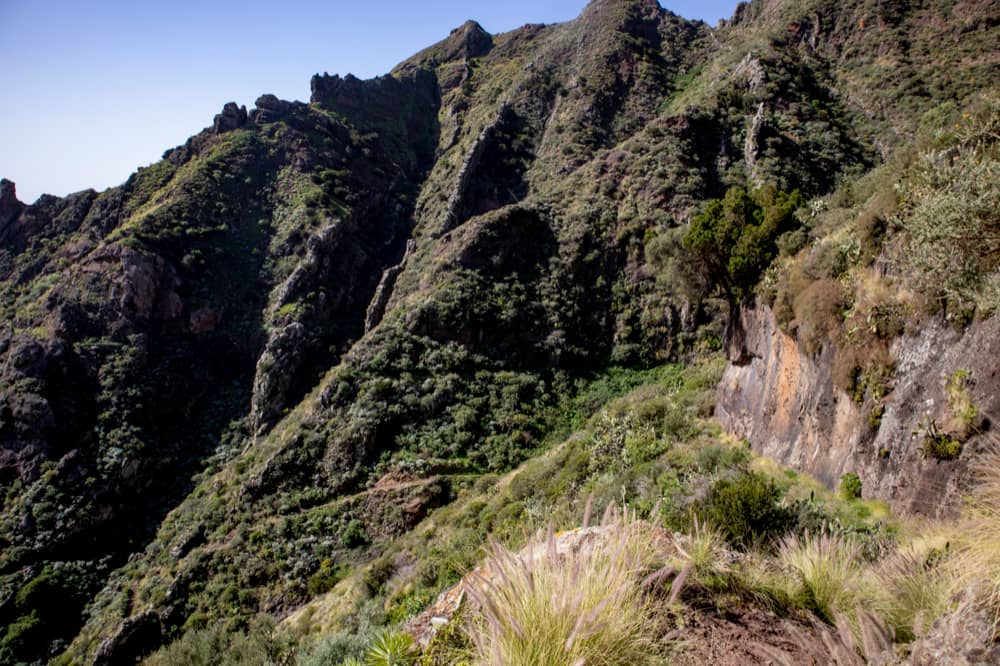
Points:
260	361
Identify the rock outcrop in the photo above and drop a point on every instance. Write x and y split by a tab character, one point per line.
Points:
786	404
232	117
269	109
10	207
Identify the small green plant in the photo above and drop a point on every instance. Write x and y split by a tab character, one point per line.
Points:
850	486
875	416
937	444
391	648
354	534
961	410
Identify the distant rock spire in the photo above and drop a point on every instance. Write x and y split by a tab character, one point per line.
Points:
10	207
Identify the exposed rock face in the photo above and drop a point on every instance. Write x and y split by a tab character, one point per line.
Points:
269	109
460	205
10	207
964	637
786	405
232	117
376	309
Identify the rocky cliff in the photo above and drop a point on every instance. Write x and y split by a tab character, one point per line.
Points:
786	404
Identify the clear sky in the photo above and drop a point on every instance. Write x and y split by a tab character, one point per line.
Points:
91	89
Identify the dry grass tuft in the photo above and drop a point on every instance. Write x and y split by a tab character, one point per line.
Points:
978	547
570	606
827	567
916	588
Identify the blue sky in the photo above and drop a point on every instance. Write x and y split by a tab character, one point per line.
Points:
92	89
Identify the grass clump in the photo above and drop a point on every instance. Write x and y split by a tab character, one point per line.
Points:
826	567
566	608
916	589
977	554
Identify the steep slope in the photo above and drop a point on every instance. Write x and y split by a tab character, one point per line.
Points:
399	280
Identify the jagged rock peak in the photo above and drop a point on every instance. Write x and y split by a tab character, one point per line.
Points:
269	108
469	40
599	7
8	190
638	18
232	117
9	205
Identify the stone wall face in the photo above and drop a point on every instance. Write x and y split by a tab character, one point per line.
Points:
787	406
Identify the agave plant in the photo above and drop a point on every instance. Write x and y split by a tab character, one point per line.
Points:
391	648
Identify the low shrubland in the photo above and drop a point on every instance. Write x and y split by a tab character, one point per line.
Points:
696	523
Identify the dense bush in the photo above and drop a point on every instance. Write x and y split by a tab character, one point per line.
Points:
949	214
850	486
735	238
748	510
220	645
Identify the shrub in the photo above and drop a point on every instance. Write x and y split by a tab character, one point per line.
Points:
819	311
325	578
219	645
734	239
747	509
949	216
354	534
850	486
583	606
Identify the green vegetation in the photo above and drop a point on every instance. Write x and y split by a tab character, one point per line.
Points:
936	443
850	486
200	399
948	215
586	605
257	644
735	238
748	510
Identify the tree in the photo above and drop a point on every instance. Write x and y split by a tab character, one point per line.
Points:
733	240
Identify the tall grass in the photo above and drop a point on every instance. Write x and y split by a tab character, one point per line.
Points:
703	547
978	548
827	567
570	606
916	590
